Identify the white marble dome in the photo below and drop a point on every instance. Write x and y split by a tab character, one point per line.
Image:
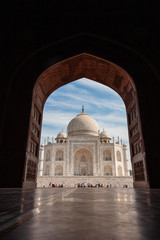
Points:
82	124
61	135
104	134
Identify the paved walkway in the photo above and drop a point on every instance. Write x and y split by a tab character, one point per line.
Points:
79	213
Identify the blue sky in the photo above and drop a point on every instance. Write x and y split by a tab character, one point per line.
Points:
100	102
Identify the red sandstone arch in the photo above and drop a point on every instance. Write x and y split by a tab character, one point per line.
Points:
102	71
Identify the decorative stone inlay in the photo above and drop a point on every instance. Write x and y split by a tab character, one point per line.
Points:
35	130
89	66
31	170
134	130
34	147
37	115
139	171
136	147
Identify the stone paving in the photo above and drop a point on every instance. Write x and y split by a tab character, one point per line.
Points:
79	213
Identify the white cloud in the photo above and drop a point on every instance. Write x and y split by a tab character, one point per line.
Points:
97	86
72	100
57	118
112	117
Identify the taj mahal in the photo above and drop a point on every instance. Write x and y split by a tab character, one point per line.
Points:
83	154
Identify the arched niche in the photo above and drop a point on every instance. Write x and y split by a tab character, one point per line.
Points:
107	155
120	171
46	170
107	170
48	155
59	155
59	170
118	155
83	162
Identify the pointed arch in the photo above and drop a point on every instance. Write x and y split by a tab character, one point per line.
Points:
107	170
119	158
107	155
59	155
48	155
47	170
93	68
120	171
59	170
83	162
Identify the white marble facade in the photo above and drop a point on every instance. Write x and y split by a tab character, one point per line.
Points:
82	152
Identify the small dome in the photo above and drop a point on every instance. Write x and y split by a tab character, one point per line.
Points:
82	124
104	134
62	134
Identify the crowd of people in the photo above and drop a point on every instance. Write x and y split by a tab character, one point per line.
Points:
89	185
84	184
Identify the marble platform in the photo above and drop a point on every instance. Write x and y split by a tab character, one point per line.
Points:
72	181
79	213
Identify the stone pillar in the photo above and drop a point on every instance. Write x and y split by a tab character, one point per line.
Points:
41	160
125	160
114	160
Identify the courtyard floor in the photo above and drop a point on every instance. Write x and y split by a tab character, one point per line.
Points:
79	213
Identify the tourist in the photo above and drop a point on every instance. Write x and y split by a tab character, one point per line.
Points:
85	184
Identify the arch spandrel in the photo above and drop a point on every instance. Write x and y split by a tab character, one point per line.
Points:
88	66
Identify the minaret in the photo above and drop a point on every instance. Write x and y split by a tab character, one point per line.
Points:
125	160
41	160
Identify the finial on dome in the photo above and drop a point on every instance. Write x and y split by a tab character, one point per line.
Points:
82	109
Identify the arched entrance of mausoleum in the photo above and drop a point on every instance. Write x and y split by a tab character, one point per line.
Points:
83	163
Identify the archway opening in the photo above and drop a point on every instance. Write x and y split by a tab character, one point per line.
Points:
102	106
100	70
